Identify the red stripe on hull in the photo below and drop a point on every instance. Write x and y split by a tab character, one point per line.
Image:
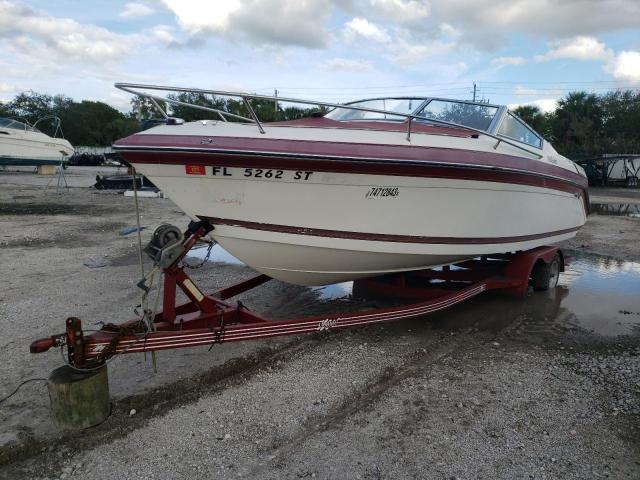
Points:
349	153
380	237
403	169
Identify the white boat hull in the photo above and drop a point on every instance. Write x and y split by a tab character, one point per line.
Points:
28	148
333	227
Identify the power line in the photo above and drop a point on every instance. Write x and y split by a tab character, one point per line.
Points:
461	84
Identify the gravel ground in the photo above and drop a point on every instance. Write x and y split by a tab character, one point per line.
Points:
609	235
477	392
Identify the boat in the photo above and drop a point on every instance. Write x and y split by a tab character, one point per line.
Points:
372	187
24	145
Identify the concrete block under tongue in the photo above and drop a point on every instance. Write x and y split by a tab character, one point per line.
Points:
79	400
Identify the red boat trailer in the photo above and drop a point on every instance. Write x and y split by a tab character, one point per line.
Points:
209	319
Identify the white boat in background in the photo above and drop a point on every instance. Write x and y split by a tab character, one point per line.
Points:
373	187
24	145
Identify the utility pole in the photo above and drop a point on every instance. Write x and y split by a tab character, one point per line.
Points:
474	91
275	103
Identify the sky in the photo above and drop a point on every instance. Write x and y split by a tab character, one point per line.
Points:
515	51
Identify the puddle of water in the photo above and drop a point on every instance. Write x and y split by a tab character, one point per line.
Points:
218	255
595	294
603	295
616	209
334	292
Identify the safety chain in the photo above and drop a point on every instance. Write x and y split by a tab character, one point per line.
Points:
120	331
206	257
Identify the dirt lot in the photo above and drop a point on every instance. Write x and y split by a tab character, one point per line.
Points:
548	387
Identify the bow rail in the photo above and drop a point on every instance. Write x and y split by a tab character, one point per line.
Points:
139	90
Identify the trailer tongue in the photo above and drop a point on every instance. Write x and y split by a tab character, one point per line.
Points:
208	319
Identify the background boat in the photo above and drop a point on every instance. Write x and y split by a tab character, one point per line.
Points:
24	145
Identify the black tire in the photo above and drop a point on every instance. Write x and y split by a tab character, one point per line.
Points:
545	275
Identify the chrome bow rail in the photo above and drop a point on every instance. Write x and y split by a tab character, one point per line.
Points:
57	123
139	90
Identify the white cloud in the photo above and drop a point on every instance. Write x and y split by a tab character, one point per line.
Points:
544	104
164	34
578	48
401	10
346	65
361	27
487	23
501	61
450	31
265	22
119	100
61	38
136	10
7	90
407	53
197	16
625	66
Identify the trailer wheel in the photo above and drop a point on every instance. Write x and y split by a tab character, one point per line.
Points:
545	275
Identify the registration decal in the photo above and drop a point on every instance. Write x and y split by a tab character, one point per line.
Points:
195	170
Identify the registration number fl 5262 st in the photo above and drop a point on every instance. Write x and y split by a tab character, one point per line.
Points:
242	173
267	173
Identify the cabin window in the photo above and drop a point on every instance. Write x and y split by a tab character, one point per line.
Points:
472	115
512	127
11	123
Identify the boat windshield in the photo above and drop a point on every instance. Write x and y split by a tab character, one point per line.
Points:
469	114
478	116
401	105
11	123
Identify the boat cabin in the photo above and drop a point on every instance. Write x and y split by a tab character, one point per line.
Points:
16	125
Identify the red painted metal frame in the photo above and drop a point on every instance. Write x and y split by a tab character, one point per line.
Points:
209	319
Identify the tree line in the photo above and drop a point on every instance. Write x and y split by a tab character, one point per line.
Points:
265	110
83	123
587	124
584	123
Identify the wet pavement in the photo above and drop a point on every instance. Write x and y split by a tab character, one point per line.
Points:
616	209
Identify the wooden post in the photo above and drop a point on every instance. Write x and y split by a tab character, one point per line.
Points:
79	400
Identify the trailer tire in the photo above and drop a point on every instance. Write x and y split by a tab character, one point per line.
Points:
545	275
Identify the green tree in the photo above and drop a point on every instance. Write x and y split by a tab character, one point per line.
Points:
533	116
621	121
31	106
577	125
189	114
95	124
143	108
4	110
265	109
